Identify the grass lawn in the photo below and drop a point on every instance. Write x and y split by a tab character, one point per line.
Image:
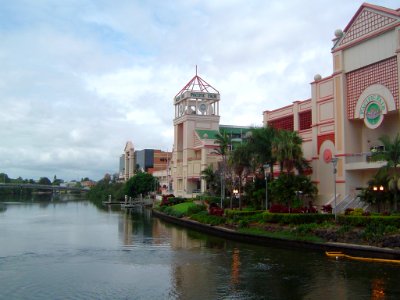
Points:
183	207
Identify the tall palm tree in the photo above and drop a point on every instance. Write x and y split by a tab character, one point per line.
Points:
223	142
287	150
240	162
259	144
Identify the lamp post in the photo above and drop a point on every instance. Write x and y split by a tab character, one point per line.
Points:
378	194
235	192
334	162
266	166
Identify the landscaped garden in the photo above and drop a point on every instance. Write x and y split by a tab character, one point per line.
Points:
289	196
355	226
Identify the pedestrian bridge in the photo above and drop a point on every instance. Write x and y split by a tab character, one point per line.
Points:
53	188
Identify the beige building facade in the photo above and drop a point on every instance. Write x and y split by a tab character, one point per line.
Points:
350	109
196	122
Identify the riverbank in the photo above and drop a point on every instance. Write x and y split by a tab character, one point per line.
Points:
233	234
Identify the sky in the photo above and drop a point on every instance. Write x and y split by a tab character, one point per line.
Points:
80	78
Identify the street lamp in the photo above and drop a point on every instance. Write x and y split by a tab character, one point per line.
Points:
266	167
235	192
334	162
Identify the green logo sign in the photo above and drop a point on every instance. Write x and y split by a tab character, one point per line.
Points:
372	109
373	113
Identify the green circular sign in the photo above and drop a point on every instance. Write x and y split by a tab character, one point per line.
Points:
373	113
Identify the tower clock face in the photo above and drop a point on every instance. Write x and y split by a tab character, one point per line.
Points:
203	107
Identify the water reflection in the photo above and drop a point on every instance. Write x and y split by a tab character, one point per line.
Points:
235	268
378	289
105	254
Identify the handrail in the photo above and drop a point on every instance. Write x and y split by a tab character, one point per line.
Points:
339	254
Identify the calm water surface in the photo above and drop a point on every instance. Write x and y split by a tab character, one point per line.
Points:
73	250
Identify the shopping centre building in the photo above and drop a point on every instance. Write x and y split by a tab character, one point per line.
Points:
350	109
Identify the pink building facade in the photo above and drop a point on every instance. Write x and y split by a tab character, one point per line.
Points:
350	109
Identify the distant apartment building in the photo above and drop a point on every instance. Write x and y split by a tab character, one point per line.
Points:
130	161
146	160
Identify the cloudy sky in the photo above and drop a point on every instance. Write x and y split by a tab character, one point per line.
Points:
79	78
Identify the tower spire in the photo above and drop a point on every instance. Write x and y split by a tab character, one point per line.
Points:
196	70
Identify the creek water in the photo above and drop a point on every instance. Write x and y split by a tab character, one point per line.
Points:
75	250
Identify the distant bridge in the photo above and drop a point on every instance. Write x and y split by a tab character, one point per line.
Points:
41	187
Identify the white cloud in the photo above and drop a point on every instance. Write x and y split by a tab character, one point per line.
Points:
80	78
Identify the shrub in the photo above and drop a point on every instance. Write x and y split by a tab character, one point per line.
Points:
327	208
215	210
304	229
169	210
237	214
296	218
363	221
195	209
357	212
205	218
168	200
243	223
165	199
278	208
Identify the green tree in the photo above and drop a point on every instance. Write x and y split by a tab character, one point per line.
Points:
44	181
4	178
288	187
390	154
141	183
101	191
373	193
223	142
287	150
210	178
240	162
259	145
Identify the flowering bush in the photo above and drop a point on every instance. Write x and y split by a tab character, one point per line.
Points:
215	210
278	208
327	208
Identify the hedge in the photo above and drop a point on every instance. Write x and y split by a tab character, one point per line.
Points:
296	218
234	214
363	221
205	218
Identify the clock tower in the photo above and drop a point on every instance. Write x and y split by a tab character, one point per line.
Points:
195	124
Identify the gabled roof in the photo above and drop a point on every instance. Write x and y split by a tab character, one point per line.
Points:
368	21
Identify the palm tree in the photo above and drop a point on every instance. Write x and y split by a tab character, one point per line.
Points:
259	144
209	176
240	162
390	154
223	142
287	150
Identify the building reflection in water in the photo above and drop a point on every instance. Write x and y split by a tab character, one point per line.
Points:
125	229
235	274
378	289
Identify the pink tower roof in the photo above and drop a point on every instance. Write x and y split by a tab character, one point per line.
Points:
197	84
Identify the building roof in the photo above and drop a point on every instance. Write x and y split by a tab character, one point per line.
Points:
369	21
207	134
234	129
197	84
